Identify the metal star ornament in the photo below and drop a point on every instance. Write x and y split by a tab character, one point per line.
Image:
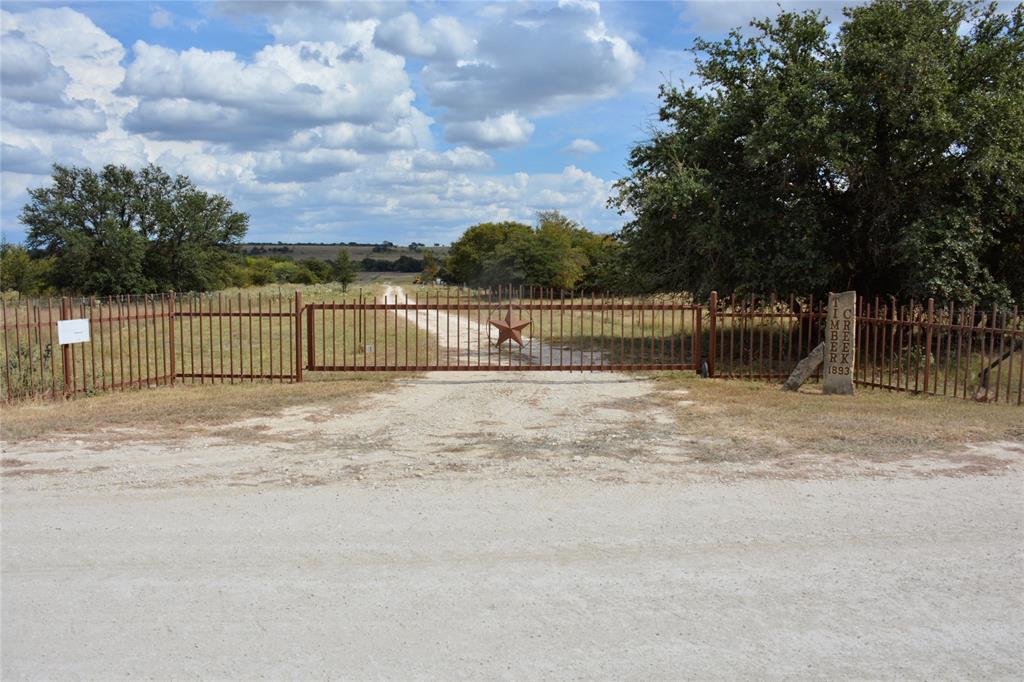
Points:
509	329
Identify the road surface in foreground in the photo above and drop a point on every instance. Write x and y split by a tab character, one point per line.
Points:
462	528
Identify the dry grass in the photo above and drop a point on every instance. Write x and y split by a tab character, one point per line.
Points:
736	420
170	413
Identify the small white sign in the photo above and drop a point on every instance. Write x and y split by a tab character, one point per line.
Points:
73	331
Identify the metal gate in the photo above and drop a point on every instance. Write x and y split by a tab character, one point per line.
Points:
504	329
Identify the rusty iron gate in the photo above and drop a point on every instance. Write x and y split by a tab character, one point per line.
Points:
506	329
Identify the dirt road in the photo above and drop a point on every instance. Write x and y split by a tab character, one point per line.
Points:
521	526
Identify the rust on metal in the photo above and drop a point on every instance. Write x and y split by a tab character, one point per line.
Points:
509	329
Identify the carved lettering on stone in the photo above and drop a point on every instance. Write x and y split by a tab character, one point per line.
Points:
841	327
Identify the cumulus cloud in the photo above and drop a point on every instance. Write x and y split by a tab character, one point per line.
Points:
90	57
27	73
306	166
533	62
458	159
440	38
506	130
316	134
285	88
581	146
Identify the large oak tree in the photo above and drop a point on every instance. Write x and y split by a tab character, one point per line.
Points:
119	230
886	157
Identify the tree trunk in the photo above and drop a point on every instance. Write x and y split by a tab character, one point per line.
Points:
805	368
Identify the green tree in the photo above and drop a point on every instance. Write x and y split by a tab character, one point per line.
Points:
888	158
321	269
472	254
22	273
343	269
123	231
431	267
558	253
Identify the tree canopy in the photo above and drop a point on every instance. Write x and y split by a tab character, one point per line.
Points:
119	230
556	253
886	157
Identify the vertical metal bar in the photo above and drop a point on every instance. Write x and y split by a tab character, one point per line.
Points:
92	343
1008	328
248	314
109	319
777	322
999	367
282	335
65	350
959	347
770	374
311	340
928	346
896	344
220	337
17	343
231	348
334	334
713	324
950	307
191	343
202	344
698	336
561	328
298	335
170	329
7	350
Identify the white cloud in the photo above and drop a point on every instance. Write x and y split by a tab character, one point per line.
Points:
718	16
161	18
197	94
73	42
536	62
527	61
311	165
458	159
507	130
315	135
440	37
581	146
27	73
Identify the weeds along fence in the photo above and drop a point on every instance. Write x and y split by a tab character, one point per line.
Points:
918	347
152	340
148	340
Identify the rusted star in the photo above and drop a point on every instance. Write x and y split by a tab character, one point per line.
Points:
510	329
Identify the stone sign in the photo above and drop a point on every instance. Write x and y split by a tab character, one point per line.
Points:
840	331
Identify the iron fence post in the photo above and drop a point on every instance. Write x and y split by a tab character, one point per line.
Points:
170	327
298	336
928	344
712	344
65	349
310	340
697	337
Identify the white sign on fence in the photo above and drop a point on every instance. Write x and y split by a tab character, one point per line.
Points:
73	331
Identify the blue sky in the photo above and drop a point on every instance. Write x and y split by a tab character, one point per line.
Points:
342	121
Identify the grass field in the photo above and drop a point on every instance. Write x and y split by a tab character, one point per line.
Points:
356	252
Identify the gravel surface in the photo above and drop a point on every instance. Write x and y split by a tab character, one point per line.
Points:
468	526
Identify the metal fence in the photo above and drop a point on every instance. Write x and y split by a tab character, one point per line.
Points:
917	347
162	339
461	329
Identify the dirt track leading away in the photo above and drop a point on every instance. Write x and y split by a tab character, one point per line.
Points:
527	525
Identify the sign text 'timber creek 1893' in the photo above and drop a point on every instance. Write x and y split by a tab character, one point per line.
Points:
840	330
